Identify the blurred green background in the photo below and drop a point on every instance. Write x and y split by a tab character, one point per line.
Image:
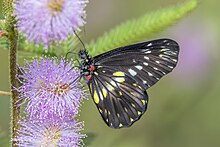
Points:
184	108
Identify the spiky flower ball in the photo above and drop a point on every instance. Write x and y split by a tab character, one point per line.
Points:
45	21
62	134
51	88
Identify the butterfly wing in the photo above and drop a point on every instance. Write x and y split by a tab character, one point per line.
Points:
146	62
123	75
119	99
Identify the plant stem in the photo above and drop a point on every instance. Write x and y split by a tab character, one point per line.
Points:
15	110
4	93
8	10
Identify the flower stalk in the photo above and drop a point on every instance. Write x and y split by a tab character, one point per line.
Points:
13	39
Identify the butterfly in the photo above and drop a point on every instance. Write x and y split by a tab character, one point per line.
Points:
118	79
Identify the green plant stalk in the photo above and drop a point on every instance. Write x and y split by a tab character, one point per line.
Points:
13	38
139	28
13	42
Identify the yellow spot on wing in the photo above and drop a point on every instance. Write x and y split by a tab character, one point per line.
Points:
174	60
110	86
139	113
120	79
118	114
161	55
134	84
173	53
133	105
143	101
120	93
120	125
104	91
100	110
119	73
164	50
90	85
131	119
96	97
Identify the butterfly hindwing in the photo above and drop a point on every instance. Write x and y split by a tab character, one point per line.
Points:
120	100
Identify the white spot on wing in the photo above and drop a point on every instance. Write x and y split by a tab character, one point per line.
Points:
144	82
139	67
132	72
150	74
148	52
145	63
170	67
113	83
145	57
100	95
149	44
156	68
158	62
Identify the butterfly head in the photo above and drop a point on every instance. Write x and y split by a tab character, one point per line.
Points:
87	64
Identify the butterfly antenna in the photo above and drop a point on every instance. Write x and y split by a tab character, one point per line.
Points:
70	52
80	40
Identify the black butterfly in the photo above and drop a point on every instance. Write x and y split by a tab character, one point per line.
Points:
118	79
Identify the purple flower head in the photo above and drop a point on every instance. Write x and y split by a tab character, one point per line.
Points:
45	21
51	88
62	134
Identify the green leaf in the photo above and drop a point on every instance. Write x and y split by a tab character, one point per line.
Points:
136	29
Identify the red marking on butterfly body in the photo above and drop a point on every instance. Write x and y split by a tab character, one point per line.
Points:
88	77
92	68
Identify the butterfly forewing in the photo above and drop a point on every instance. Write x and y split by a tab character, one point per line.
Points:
147	62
